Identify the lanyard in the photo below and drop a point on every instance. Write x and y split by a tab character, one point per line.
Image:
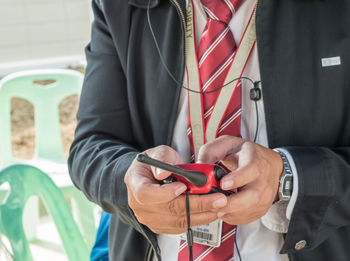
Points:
196	111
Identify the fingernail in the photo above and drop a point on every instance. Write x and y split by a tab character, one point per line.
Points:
220	214
158	171
227	184
180	190
220	203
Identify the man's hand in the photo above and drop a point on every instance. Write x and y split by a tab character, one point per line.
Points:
255	173
162	207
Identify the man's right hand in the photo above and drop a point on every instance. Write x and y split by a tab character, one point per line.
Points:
161	207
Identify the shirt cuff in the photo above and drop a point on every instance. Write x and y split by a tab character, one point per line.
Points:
278	216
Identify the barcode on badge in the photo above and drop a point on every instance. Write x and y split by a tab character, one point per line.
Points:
208	234
202	235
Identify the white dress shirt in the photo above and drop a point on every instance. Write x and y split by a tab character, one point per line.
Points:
261	239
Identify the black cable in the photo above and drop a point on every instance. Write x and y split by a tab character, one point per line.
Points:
189	230
255	95
157	46
257	121
168	71
239	253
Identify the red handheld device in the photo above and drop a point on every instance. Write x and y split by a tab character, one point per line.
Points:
199	178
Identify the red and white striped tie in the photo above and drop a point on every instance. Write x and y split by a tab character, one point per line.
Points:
215	55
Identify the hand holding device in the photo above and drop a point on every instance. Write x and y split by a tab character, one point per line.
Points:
161	207
256	176
198	178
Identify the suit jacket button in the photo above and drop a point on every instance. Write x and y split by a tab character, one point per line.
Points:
300	245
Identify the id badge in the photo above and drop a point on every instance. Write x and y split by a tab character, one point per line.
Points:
209	234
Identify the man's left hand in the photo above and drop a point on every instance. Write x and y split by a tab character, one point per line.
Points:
255	173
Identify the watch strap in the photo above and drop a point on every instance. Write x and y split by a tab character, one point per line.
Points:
286	180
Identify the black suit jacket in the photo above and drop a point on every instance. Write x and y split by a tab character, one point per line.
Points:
129	104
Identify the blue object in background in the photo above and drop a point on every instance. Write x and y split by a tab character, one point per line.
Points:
99	251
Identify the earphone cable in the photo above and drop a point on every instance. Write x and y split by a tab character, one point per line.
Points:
189	230
238	252
257	121
168	71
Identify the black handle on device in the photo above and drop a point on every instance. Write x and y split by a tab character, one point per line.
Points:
194	177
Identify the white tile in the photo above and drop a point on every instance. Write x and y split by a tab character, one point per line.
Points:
14	53
77	47
49	50
77	10
47	33
36	29
78	30
12	35
11	14
47	11
12	1
42	1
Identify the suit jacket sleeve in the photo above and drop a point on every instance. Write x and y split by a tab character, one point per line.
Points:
103	150
323	199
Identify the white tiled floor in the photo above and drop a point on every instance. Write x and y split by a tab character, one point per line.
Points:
48	246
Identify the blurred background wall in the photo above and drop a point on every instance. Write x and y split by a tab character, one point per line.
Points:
43	33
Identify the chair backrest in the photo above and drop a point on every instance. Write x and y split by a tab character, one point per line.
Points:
44	89
25	181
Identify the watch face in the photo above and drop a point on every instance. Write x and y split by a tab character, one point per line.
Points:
287	186
286	181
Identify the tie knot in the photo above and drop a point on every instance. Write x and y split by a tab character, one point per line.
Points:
221	10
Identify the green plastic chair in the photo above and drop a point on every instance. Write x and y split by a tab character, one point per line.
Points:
45	89
25	181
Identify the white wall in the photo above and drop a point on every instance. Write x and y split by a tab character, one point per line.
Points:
35	32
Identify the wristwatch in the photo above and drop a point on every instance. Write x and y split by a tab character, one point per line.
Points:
286	180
